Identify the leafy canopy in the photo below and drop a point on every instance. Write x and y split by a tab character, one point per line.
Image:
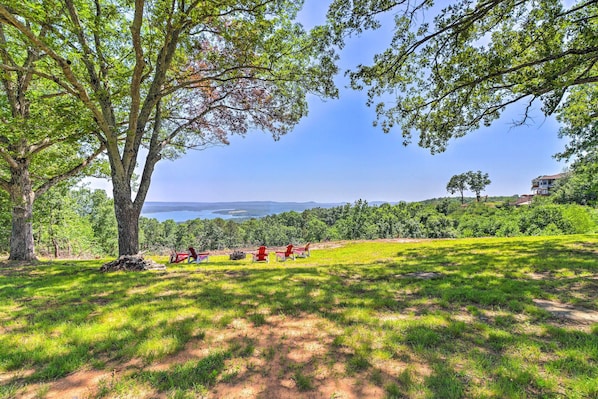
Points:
451	70
475	181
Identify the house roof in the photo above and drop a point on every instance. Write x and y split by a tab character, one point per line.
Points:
551	177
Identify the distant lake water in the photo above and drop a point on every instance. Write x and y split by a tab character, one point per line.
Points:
183	211
183	216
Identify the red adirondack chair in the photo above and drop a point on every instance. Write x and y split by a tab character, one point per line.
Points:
201	256
302	252
177	257
284	255
261	255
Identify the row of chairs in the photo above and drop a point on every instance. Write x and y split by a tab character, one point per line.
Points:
261	255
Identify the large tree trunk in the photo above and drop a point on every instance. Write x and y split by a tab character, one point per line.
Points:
126	209
22	196
127	218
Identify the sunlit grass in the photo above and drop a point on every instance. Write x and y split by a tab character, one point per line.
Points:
440	319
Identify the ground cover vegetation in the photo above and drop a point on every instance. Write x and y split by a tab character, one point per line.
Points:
465	318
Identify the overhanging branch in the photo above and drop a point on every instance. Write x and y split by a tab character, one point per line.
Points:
70	173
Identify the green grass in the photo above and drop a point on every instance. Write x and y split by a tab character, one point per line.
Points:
357	312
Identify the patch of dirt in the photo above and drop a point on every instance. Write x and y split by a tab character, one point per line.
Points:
550	276
79	385
421	275
285	346
539	276
564	311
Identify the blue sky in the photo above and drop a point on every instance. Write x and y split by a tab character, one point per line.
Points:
336	155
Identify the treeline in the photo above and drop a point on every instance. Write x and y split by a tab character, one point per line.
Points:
445	219
81	223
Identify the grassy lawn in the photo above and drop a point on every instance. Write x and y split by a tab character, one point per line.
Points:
431	319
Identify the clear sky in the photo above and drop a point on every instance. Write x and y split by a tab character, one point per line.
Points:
336	155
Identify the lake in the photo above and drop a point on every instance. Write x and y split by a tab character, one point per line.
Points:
183	211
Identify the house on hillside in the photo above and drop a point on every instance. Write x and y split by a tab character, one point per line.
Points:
542	185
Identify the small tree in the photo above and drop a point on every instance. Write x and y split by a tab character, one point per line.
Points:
477	182
457	184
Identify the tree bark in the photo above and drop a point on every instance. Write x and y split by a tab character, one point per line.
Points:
22	196
127	218
128	229
55	244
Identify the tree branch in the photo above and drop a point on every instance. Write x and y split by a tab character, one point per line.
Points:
6	82
70	173
139	65
8	18
84	46
8	158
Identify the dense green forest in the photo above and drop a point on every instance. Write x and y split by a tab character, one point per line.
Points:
81	222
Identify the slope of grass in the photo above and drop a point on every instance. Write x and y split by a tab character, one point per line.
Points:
430	319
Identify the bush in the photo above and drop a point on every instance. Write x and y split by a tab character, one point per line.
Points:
509	228
579	218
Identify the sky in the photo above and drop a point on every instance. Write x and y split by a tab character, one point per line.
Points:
336	155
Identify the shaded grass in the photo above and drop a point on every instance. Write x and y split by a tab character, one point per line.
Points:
194	376
473	331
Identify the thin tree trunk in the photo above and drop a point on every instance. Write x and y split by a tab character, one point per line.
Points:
22	196
55	244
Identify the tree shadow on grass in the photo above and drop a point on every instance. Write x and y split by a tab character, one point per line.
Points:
353	298
194	376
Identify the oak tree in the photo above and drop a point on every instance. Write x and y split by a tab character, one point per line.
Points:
41	142
159	77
